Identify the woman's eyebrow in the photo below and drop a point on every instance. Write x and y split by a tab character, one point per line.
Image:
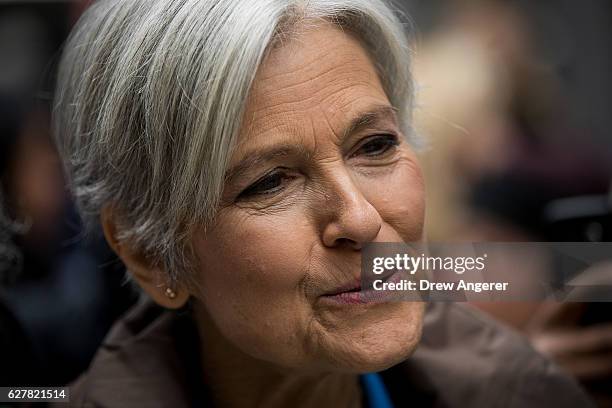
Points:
368	118
262	155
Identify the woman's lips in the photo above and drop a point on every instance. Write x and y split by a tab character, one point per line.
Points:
349	287
351	293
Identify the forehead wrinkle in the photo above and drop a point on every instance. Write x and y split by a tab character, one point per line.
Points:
316	60
295	102
353	101
364	89
338	74
290	121
266	136
291	101
266	83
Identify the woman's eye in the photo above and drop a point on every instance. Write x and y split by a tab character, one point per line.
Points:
377	145
268	184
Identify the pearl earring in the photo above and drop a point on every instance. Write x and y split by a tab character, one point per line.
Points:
170	293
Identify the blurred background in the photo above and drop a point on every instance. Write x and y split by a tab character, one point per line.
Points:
514	99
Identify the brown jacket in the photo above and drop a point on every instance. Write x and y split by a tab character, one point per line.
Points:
465	359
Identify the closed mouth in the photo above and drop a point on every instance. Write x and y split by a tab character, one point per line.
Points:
352	293
352	286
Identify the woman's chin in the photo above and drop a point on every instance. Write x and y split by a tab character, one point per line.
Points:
362	361
380	344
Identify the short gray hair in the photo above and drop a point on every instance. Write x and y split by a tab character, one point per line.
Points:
150	97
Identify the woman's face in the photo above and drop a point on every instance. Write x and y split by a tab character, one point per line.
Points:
321	169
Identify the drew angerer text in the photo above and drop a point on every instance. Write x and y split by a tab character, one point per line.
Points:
424	284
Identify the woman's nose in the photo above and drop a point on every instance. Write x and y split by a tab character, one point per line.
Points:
353	220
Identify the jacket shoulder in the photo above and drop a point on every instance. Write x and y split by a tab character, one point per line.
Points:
136	365
471	360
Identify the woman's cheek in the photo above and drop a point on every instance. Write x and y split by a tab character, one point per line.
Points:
399	198
255	259
253	285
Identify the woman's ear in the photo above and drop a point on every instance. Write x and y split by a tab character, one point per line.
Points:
149	277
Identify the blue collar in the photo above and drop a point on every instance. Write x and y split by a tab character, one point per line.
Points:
375	391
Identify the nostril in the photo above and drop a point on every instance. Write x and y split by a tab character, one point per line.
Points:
347	242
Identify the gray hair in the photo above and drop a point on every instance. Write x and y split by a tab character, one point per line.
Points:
150	98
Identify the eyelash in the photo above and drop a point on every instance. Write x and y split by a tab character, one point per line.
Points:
253	188
388	141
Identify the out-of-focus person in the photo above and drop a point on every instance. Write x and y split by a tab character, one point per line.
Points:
512	164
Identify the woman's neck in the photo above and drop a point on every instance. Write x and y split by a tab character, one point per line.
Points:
235	379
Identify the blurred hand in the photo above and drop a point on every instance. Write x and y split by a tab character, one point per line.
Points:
585	351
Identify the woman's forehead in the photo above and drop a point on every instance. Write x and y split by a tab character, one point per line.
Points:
315	84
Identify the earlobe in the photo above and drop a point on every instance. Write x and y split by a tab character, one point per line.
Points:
148	276
166	296
169	297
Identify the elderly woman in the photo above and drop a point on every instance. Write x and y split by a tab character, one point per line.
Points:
239	155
